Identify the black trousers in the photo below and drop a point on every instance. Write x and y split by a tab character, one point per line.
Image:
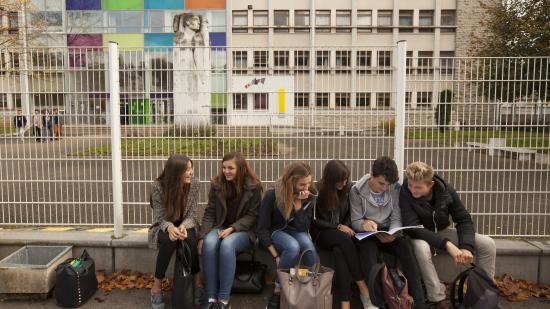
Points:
401	249
167	248
346	259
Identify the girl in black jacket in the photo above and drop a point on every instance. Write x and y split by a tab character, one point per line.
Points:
284	220
332	230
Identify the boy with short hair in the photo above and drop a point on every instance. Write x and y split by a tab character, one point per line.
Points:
375	206
20	122
427	199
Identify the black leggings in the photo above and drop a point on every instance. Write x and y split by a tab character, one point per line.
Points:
400	248
167	248
346	259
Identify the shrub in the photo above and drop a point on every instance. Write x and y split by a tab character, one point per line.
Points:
387	125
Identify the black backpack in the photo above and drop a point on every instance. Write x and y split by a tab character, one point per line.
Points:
481	292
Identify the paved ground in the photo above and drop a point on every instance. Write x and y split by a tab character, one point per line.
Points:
138	299
45	183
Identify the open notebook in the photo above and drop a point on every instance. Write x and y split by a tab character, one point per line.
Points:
363	235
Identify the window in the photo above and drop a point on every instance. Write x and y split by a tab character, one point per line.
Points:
155	21
321	99
342	99
425	62
280	19
49	19
240	60
240	21
424	99
448	20
364	18
383	99
405	21
301	58
48	99
46	60
8	61
301	99
125	21
13	22
91	21
408	95
343	19
48	5
260	61
447	62
364	58
362	99
343	58
322	19
260	20
426	20
385	21
281	60
3	100
240	101
301	19
408	62
323	59
384	58
260	101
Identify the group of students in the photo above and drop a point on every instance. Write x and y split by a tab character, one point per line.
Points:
297	214
46	126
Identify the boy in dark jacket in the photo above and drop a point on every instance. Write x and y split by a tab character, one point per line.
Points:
20	122
427	199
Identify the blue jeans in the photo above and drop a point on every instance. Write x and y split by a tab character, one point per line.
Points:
290	244
219	260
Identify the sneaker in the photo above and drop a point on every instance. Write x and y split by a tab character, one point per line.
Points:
367	304
211	305
223	306
274	301
156	301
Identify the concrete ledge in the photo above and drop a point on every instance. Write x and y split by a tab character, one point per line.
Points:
526	259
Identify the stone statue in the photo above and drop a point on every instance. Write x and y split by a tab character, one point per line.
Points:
192	80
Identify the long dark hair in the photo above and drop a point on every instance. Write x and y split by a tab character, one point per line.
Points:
175	191
234	189
329	197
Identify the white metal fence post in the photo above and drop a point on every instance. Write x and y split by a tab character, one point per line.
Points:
399	82
114	92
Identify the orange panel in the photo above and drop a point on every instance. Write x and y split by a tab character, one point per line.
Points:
205	4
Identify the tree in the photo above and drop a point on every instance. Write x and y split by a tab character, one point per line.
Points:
443	111
520	31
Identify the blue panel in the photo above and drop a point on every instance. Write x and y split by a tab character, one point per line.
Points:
164	4
218	39
83	4
159	39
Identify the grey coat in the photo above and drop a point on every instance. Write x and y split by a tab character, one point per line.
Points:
363	206
192	214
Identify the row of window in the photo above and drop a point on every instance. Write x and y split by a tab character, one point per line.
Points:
260	101
342	20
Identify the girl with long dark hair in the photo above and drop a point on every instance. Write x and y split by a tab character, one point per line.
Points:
176	215
228	226
332	231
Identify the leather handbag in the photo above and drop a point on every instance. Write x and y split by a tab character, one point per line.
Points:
306	287
249	275
75	281
182	288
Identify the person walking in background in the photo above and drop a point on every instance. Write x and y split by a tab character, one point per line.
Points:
332	230
228	226
57	124
176	217
47	131
20	122
37	125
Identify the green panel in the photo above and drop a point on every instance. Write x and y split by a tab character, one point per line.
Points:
111	5
124	40
140	111
218	100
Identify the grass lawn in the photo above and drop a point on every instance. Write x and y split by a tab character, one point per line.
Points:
526	139
7	130
191	146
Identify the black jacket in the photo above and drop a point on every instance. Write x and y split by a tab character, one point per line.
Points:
247	213
326	217
19	121
415	211
271	217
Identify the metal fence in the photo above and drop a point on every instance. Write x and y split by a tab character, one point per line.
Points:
488	134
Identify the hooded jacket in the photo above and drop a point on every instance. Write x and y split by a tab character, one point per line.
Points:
435	216
247	212
271	216
363	206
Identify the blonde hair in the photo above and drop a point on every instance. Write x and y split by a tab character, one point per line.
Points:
419	171
292	173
